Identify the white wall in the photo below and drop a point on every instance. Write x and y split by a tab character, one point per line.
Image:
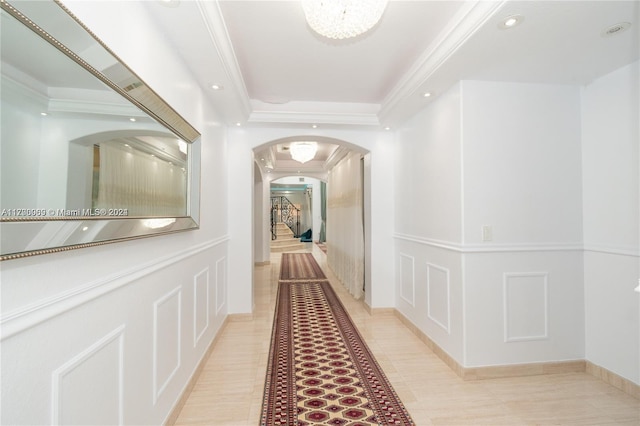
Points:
507	156
428	222
112	334
524	298
611	201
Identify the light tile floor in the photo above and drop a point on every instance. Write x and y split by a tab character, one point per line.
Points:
230	388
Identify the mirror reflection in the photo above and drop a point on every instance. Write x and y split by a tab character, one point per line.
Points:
88	153
71	146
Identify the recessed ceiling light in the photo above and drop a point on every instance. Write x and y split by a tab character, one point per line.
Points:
615	29
44	114
132	119
217	87
127	145
84	228
510	22
426	94
387	128
315	126
238	124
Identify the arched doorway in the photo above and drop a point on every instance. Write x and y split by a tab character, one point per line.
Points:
339	161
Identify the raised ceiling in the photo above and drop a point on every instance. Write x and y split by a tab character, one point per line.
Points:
276	71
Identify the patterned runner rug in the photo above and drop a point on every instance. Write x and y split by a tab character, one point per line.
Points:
299	266
320	370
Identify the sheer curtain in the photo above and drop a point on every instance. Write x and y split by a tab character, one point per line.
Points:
143	184
323	212
345	230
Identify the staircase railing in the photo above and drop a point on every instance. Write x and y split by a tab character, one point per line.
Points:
283	210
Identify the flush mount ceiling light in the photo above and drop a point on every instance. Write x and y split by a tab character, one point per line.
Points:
340	19
510	22
303	151
615	29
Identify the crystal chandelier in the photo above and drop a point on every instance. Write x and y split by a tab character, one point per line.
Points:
339	19
303	151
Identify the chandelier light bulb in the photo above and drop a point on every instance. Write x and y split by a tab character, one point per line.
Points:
340	19
303	151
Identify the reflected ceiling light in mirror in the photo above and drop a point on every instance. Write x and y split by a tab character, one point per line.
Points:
340	19
158	223
182	146
303	151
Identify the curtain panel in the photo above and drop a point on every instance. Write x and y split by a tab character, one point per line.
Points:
345	228
134	180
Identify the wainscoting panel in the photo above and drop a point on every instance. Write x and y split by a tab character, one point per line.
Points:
439	296
407	279
201	317
166	340
526	308
221	283
88	389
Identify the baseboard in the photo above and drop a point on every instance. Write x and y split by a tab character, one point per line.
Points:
618	382
173	416
378	311
445	357
519	370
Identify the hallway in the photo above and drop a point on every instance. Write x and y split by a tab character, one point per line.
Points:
230	388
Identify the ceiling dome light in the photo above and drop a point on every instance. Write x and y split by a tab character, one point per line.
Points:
340	19
615	29
303	151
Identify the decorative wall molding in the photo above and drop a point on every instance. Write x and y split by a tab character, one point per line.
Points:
221	283
519	305
444	323
160	384
30	315
612	249
200	295
408	261
58	375
489	247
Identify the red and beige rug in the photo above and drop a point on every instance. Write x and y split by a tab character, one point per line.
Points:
300	266
320	370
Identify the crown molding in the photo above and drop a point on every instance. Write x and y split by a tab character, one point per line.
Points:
90	107
217	29
467	21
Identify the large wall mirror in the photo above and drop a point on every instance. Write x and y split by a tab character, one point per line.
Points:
89	154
